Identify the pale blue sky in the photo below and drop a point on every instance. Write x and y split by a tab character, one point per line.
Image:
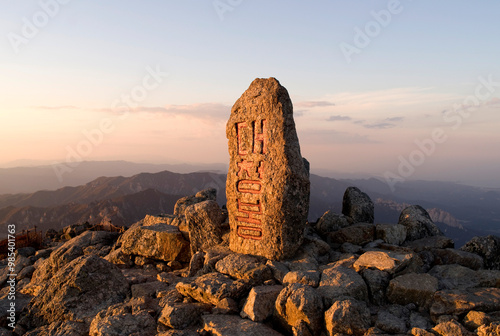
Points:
64	79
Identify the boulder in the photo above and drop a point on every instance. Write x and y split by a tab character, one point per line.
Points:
412	288
243	266
357	234
377	282
452	256
358	206
460	277
430	243
390	323
456	302
61	328
418	223
310	277
204	222
475	319
299	307
259	304
183	315
267	187
390	262
230	325
391	233
339	281
159	241
120	320
349	316
77	292
184	202
451	328
213	287
488	248
331	222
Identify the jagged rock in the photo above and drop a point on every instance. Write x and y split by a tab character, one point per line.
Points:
488	248
358	206
204	222
391	233
226	306
170	297
159	241
243	266
377	282
78	291
452	256
183	315
329	223
213	287
449	302
390	323
137	275
357	234
310	278
230	325
451	328
490	330
278	269
120	320
418	321
412	288
475	319
176	332
430	243
20	263
267	187
184	202
5	332
66	253
119	258
259	304
298	305
339	281
349	316
196	263
61	328
26	272
21	301
418	223
26	251
390	262
461	277
350	248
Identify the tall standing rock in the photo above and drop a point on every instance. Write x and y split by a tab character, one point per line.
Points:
267	185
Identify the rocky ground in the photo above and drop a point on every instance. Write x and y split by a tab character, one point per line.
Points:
174	275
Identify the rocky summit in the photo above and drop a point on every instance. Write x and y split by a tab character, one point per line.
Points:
267	186
198	272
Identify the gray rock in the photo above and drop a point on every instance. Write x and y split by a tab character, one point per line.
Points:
390	323
184	202
26	251
349	316
488	248
204	222
430	243
357	234
452	256
390	262
460	277
418	223
339	281
267	186
377	282
278	269
78	291
298	305
358	206
259	304
391	233
456	302
230	325
196	263
310	278
329	223
412	288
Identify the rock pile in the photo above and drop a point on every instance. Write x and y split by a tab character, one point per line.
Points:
347	278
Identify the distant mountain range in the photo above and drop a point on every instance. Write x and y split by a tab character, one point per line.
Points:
460	211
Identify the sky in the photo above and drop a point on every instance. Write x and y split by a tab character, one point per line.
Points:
394	89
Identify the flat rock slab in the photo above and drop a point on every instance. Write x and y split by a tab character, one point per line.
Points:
412	288
390	262
267	186
229	325
449	302
213	287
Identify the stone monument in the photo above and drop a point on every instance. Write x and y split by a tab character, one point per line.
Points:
267	185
